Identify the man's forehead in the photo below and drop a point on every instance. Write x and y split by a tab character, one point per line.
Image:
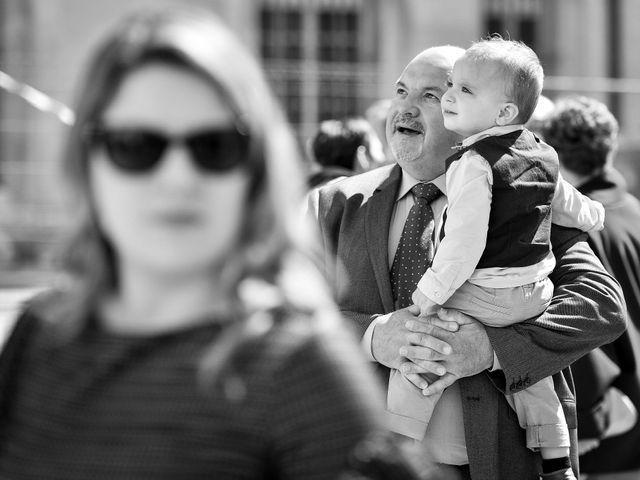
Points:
424	74
441	57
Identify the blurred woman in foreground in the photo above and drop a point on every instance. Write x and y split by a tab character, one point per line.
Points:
182	346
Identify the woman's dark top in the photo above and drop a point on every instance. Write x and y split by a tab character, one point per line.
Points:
105	406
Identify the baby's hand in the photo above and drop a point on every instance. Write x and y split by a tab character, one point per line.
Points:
427	307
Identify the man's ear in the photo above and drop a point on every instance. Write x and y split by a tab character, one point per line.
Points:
507	114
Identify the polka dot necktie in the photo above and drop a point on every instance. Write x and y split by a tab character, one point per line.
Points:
415	250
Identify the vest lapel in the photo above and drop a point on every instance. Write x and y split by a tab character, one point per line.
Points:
377	220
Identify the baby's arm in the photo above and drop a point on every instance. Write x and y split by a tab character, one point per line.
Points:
469	204
570	208
427	306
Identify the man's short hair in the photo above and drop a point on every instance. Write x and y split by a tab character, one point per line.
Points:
584	133
520	66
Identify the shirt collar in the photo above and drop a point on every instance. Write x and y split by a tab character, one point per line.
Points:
489	132
408	182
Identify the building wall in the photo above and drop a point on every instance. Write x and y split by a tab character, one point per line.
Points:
410	26
630	60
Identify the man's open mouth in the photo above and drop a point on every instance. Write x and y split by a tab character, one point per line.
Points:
408	130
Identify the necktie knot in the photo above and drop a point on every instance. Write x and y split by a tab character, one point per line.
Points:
427	191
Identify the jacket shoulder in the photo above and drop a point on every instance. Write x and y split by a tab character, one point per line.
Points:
364	183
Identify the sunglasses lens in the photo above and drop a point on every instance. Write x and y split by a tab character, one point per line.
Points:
218	150
138	150
134	150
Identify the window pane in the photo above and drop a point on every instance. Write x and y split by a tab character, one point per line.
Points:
281	33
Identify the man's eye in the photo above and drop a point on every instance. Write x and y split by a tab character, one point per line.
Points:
400	91
431	96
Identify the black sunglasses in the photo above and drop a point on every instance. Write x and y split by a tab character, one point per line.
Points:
139	150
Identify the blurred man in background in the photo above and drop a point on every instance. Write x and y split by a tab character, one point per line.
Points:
584	133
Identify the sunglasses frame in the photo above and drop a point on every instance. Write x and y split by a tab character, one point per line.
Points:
224	160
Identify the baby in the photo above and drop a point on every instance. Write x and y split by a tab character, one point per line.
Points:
493	262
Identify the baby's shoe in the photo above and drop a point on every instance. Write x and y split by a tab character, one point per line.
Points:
564	474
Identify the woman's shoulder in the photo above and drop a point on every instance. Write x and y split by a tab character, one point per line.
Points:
321	347
321	334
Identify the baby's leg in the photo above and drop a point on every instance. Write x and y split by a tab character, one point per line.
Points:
540	413
408	410
501	307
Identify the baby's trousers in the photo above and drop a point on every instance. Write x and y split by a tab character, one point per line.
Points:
538	407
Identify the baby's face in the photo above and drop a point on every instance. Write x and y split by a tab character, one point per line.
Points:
474	98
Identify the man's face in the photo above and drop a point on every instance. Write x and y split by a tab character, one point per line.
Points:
415	127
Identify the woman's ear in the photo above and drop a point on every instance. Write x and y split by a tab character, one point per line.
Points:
507	114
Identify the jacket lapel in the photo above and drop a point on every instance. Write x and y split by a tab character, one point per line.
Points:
377	219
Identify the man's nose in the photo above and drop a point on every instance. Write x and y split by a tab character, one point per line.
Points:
410	109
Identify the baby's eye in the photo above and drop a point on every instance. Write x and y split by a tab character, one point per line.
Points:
465	90
449	83
400	91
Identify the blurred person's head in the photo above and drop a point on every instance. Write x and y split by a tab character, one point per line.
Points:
496	82
585	134
350	143
415	126
376	115
543	110
180	160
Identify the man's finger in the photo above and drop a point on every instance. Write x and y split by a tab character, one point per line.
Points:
447	315
440	384
417	380
431	347
428	325
422	366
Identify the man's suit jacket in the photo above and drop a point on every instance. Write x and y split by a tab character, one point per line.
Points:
354	216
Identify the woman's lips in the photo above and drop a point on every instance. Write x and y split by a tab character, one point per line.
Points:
179	217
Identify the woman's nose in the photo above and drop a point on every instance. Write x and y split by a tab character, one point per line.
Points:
177	168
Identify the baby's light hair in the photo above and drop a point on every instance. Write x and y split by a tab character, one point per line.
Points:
521	69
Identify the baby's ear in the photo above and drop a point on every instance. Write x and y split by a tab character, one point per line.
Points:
507	114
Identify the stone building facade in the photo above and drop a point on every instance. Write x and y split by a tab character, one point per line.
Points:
327	58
